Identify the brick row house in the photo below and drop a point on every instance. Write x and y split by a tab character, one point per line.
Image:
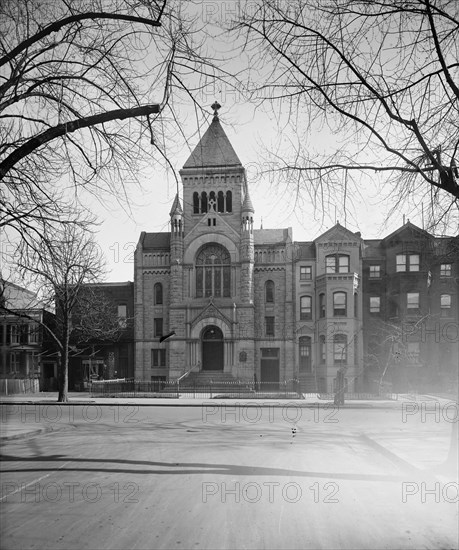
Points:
246	302
106	349
410	315
26	348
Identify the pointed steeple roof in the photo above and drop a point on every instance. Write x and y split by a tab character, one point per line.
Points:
247	205
214	148
176	206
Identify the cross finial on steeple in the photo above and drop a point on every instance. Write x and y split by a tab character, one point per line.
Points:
216	106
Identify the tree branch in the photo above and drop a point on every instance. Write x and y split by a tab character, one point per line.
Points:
57	25
62	129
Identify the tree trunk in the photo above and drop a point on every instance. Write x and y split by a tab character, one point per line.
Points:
64	371
63	381
381	378
340	387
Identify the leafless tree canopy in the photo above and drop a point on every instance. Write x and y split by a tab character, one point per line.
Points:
65	270
89	91
95	317
61	268
382	77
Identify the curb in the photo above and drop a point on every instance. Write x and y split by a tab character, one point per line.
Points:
441	472
32	433
27	434
400	462
218	402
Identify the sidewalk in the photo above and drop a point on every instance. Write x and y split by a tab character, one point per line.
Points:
309	400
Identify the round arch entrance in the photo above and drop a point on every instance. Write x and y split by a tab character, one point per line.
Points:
212	348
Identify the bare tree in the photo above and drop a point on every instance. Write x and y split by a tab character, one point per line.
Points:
390	346
60	269
95	317
89	91
380	79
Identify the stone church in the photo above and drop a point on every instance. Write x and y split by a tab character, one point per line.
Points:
241	301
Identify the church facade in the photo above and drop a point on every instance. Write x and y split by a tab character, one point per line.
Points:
252	303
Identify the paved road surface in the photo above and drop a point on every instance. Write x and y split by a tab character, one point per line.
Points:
260	477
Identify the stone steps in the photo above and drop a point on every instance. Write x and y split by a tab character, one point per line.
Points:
308	383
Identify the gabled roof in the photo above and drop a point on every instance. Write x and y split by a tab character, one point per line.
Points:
338	232
211	310
214	149
408	226
156	240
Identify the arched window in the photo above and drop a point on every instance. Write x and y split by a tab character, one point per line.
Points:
203	202
158	293
212	201
340	349
220	202
213	271
269	291
305	353
229	201
339	304
305	308
195	203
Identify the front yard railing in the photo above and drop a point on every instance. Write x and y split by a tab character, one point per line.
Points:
209	390
235	389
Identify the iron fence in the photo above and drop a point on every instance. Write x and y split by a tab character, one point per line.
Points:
208	390
360	396
236	389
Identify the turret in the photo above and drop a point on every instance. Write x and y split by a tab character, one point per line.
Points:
247	213
176	215
177	233
247	249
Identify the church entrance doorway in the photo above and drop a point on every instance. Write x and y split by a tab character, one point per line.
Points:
269	368
212	349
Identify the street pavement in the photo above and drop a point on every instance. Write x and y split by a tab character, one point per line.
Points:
14	427
99	473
